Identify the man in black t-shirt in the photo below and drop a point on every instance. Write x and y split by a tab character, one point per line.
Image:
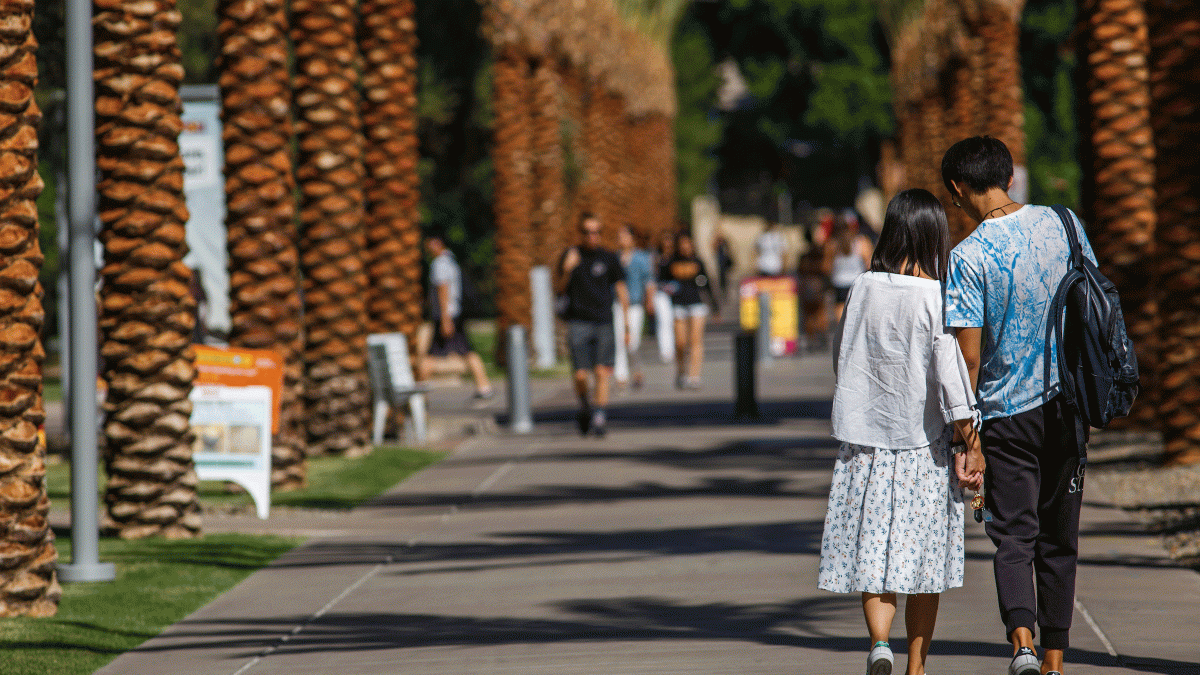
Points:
592	276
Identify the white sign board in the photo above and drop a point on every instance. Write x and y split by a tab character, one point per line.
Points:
233	438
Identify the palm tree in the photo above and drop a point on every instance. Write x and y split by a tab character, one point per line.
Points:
513	194
549	186
388	41
999	33
260	208
27	574
147	312
1174	71
1120	192
330	176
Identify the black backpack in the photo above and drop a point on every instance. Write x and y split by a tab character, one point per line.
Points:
1097	367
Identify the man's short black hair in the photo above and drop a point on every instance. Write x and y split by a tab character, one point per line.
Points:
979	162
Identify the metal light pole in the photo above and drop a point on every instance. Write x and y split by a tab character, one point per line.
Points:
81	201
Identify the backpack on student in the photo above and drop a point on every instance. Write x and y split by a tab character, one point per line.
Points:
1097	367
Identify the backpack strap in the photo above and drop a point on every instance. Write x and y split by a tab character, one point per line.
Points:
1073	244
1075	430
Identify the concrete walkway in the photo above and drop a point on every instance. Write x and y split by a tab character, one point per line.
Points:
682	543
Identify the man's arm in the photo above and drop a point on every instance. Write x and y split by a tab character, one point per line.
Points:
566	264
970	341
969	465
447	321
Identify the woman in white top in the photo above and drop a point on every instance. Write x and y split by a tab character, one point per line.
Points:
847	255
895	521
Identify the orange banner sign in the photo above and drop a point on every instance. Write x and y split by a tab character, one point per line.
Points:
240	368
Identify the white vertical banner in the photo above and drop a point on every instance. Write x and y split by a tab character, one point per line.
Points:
204	188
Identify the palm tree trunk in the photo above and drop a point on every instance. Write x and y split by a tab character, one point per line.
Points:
547	140
260	209
388	40
332	240
28	584
1121	213
1175	116
147	312
1004	102
513	199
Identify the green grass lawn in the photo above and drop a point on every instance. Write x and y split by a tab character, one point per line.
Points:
333	482
158	583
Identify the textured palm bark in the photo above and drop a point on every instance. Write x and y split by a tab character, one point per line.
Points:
28	586
1004	101
654	139
965	119
636	162
614	185
1120	213
147	313
388	41
596	171
332	240
1175	116
264	265
513	198
575	147
549	189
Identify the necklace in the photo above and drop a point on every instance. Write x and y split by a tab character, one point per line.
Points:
989	213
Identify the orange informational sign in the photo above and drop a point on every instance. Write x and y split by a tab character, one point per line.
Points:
240	368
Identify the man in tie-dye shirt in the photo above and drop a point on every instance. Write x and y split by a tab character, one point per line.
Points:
999	287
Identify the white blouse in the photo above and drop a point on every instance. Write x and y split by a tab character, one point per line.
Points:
900	375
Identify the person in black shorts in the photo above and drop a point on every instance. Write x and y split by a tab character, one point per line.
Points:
590	277
449	336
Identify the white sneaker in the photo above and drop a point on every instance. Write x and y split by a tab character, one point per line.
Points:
879	661
1024	663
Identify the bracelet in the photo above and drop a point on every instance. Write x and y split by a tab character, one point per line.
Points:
958	447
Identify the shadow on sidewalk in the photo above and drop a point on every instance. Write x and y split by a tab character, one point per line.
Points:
557	495
689	413
797	624
800	453
526	549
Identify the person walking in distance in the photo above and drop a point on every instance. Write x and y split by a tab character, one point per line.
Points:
592	278
449	335
902	392
639	282
770	247
847	255
999	287
688	283
664	321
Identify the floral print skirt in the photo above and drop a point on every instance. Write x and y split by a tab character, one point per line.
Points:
895	521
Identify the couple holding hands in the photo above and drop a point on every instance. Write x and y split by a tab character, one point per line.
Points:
941	386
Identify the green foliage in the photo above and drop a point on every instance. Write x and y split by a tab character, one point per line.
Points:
1048	72
697	130
158	583
818	99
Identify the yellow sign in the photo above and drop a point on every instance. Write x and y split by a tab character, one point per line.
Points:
785	312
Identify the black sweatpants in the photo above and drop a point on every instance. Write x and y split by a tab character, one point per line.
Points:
1034	489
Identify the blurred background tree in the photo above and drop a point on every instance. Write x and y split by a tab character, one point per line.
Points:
775	96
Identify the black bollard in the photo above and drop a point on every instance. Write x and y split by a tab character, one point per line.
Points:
744	361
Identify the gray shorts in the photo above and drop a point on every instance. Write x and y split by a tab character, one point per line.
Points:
592	344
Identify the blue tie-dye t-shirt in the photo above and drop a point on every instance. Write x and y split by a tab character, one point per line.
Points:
1001	278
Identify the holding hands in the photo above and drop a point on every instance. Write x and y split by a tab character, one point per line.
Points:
969	464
